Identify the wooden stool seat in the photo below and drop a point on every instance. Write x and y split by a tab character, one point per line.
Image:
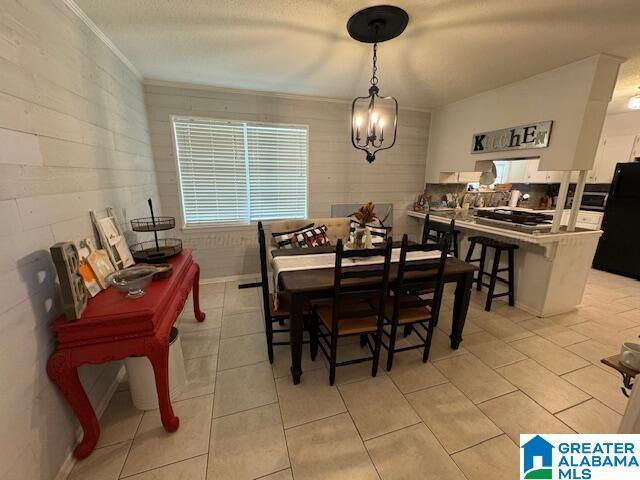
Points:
498	246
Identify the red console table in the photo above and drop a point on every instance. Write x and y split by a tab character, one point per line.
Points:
113	327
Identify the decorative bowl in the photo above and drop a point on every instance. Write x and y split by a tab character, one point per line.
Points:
132	280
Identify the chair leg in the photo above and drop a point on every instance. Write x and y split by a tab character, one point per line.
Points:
427	343
494	277
472	247
407	330
512	280
313	336
456	253
392	345
333	359
376	353
269	332
483	257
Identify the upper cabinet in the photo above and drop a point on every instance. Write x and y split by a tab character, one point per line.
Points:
533	175
635	153
611	150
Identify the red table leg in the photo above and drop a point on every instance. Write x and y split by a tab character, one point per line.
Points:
65	376
200	315
158	354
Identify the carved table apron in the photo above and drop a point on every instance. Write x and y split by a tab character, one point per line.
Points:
114	327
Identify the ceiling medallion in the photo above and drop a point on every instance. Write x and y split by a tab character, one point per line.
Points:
370	114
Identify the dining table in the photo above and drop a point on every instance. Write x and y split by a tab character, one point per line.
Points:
301	286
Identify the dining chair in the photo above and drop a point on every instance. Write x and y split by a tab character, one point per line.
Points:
271	314
407	307
357	306
434	232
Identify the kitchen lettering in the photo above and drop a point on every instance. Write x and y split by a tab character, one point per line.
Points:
535	135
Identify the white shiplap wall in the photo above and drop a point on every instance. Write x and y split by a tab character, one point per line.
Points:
73	137
337	172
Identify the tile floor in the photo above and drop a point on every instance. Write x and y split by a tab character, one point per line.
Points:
456	417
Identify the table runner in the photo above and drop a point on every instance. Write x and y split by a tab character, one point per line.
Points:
328	260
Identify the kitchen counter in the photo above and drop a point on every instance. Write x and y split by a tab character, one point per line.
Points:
551	269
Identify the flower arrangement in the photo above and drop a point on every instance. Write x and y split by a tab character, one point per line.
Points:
365	215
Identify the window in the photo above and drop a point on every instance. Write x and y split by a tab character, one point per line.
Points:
238	172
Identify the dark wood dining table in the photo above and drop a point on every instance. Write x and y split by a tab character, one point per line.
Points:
302	286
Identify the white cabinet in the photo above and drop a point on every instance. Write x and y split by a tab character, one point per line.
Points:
533	175
611	150
587	220
469	177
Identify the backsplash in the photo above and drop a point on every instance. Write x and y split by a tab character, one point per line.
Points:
437	192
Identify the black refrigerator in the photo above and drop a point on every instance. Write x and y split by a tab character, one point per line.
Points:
619	247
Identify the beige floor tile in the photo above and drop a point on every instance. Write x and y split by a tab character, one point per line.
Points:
502	327
312	399
411	453
450	415
591	417
191	469
211	295
440	345
282	361
240	301
153	447
549	329
239	351
599	384
243	388
244	323
492	351
201	377
200	343
549	355
377	407
474	378
410	373
188	323
543	386
256	435
514	314
357	371
566	319
496	458
281	475
446	318
329	449
103	464
593	351
516	413
119	421
597	331
606	315
632	301
631	315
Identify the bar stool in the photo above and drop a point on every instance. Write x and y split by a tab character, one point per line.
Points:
436	231
499	247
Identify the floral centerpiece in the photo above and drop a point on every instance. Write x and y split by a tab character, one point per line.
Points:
365	216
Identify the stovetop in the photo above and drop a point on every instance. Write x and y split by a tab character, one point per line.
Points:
515	219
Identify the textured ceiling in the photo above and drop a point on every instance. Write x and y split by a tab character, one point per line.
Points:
451	49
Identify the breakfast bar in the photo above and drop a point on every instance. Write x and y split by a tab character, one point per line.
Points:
551	269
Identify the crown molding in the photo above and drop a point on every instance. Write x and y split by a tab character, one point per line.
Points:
73	6
263	93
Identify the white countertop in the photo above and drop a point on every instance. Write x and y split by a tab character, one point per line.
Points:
538	238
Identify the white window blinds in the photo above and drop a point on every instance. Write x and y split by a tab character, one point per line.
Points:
239	171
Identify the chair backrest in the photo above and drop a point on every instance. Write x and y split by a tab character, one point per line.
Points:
345	290
405	284
435	232
264	276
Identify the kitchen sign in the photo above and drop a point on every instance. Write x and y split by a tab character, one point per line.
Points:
532	135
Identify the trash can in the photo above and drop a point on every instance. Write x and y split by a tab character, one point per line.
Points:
142	382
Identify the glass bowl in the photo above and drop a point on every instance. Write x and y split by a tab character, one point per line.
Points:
132	280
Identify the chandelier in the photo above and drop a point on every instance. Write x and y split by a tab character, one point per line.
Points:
634	102
371	114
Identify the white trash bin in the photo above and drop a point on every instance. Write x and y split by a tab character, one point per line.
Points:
142	382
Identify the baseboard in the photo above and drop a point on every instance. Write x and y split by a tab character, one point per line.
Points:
230	278
70	461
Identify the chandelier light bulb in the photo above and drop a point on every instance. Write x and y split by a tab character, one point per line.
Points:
634	102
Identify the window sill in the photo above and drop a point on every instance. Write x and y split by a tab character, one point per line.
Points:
227	227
